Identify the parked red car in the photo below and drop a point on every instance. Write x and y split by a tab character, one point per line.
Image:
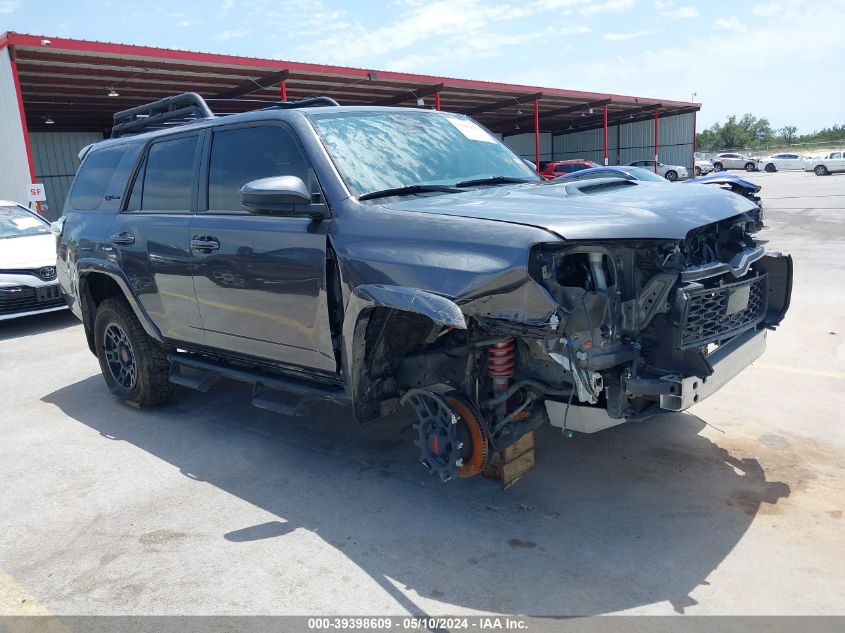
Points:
562	167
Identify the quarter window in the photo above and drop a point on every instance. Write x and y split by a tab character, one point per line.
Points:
94	176
241	155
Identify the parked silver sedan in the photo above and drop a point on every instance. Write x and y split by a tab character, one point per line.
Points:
669	172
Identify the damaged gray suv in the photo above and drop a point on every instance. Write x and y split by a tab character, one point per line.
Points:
383	256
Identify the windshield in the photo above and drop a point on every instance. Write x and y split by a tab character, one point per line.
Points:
376	151
645	174
18	222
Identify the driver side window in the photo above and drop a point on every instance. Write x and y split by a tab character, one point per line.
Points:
243	154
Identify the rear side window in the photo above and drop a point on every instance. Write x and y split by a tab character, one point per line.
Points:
94	176
165	180
244	154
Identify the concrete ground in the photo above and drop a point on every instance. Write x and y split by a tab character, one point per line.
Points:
210	506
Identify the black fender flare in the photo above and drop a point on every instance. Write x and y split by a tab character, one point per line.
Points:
437	308
85	267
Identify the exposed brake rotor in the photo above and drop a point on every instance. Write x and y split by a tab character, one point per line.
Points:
450	437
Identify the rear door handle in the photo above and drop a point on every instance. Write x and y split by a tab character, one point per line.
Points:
123	238
204	244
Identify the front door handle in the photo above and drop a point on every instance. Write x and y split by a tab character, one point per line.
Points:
204	244
123	238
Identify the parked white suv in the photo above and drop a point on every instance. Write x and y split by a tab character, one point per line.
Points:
730	160
669	172
828	164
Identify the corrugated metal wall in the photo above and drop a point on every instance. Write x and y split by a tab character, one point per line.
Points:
626	143
14	170
523	144
55	155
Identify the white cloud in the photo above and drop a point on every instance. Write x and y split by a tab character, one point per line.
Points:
728	24
609	5
617	37
767	10
9	6
231	35
681	13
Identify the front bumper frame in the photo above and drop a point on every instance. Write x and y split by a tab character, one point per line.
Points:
677	393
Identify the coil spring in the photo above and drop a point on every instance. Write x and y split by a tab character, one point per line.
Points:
501	358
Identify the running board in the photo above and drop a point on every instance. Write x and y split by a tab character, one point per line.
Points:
205	372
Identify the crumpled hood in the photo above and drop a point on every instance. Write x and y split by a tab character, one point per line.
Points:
604	210
31	251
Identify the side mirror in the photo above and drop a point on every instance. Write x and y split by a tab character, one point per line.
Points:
276	195
57	226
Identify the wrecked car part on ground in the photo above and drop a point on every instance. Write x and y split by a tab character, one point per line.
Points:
386	256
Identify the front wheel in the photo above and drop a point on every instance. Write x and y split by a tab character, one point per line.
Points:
821	170
134	365
750	167
697	171
718	167
671	175
771	168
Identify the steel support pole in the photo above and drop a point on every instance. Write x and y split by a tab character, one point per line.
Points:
656	139
605	136
694	112
437	101
283	89
24	128
537	133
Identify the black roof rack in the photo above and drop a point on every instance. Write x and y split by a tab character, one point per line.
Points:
188	107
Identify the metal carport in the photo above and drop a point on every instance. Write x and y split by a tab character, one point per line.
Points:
57	94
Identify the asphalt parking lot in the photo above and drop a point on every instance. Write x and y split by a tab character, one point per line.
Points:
211	506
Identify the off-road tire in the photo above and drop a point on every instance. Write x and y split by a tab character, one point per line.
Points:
151	385
671	175
718	167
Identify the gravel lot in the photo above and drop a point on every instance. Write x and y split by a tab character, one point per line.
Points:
211	506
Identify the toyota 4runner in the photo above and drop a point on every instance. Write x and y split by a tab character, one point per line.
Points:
375	256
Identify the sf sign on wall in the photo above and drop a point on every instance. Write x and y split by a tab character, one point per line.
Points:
36	193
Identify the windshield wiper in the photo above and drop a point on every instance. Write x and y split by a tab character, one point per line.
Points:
408	190
492	180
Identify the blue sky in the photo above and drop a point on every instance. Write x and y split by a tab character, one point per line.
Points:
779	59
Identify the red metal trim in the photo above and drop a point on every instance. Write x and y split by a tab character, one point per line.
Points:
130	50
537	133
437	100
13	64
283	89
656	145
605	136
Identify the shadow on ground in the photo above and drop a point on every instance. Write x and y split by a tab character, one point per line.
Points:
623	518
37	324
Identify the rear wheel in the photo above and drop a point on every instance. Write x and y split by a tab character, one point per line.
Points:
750	167
134	365
671	175
697	171
771	168
718	167
821	170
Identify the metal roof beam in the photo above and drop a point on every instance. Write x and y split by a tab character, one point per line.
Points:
644	113
558	111
416	92
504	103
262	83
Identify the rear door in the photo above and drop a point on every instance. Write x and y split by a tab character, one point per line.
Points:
150	236
260	279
